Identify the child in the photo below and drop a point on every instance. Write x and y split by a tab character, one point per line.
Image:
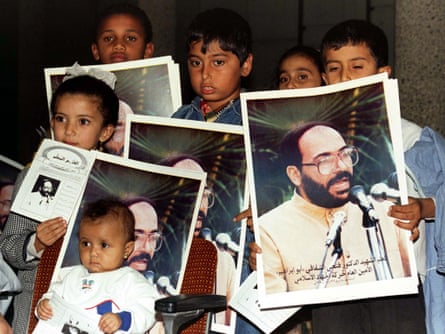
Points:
299	67
106	239
219	45
350	50
84	114
123	32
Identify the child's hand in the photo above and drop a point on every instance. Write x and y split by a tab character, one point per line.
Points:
245	214
49	231
109	323
408	216
44	310
254	250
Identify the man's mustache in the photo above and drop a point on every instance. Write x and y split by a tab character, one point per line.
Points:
338	177
140	257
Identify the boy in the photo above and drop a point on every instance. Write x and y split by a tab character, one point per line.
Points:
355	49
219	45
123	32
106	239
350	50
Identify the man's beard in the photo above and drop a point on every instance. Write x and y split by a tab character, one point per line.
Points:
45	193
319	195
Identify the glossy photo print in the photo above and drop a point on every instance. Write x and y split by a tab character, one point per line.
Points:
165	204
326	165
219	151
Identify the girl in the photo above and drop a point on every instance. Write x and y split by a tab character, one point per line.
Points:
84	112
299	67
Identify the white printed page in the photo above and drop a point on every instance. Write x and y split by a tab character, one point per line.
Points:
55	181
246	303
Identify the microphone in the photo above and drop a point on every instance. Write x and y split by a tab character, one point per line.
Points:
337	220
381	192
358	196
392	180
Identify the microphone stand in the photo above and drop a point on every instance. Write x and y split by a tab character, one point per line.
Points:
336	253
376	246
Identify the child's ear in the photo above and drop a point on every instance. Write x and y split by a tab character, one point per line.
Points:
106	134
149	50
129	246
386	69
95	51
246	67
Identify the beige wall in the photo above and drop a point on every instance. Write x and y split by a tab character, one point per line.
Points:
420	65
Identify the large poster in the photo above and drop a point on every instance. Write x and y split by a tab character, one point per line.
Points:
219	151
165	203
326	165
62	180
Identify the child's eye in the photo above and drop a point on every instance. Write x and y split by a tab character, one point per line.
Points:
132	38
108	39
105	245
333	68
357	67
85	243
302	77
219	62
284	80
84	121
194	63
59	118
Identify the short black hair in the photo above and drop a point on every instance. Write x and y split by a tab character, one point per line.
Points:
111	206
90	86
357	32
226	26
126	9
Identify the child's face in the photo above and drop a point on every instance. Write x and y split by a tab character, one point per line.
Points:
216	75
297	71
350	62
121	38
78	122
102	244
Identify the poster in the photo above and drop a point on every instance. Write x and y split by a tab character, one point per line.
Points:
320	208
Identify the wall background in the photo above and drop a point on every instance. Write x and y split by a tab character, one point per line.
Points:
50	33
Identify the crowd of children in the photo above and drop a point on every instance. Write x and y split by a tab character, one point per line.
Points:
85	113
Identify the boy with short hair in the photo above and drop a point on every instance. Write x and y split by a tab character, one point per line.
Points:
219	43
350	50
219	47
123	32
